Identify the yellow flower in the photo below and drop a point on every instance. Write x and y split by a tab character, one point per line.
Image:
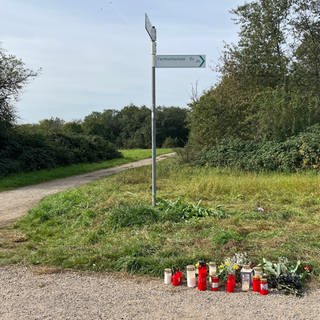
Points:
236	267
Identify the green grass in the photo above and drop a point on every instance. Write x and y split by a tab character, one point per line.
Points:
29	178
208	214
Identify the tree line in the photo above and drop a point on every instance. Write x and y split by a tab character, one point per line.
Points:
127	128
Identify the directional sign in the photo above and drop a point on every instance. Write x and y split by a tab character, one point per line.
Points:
150	28
181	61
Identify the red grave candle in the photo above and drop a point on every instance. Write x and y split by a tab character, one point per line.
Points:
177	278
214	283
202	277
264	286
232	278
231	283
256	284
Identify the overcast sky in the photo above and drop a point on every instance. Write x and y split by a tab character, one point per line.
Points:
95	54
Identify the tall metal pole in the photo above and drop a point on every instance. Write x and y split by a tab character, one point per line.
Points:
153	36
153	123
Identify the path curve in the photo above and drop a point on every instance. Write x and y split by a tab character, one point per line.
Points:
15	203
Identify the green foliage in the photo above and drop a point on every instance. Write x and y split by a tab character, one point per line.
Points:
287	277
259	58
28	152
13	77
131	126
279	113
306	51
125	215
296	153
127	128
178	211
170	143
270	81
133	215
171	124
222	237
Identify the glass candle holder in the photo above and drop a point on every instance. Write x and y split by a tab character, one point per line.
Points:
246	275
167	276
258	272
191	276
212	269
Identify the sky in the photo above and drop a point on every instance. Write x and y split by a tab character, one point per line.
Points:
95	55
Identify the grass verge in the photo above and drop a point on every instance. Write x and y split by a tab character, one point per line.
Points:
29	178
208	214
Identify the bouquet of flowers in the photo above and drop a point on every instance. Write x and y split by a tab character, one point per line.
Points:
232	265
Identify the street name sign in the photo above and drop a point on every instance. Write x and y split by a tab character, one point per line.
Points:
150	28
181	61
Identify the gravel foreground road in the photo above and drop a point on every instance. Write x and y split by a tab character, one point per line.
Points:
29	294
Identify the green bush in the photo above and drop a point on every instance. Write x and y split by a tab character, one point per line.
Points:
22	151
296	153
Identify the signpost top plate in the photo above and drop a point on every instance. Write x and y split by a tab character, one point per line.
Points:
150	28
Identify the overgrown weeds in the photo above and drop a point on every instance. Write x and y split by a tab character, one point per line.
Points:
137	214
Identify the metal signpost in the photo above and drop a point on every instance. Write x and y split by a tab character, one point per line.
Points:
153	36
164	61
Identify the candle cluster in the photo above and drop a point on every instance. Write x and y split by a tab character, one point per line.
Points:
203	276
239	273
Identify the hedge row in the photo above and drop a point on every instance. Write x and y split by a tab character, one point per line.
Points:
22	153
296	153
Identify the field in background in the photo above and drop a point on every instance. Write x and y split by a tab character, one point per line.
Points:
208	214
24	179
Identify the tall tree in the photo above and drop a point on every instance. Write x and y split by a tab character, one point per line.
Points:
171	122
306	66
259	57
13	77
104	124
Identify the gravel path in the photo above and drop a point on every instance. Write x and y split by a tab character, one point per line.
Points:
28	294
16	203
